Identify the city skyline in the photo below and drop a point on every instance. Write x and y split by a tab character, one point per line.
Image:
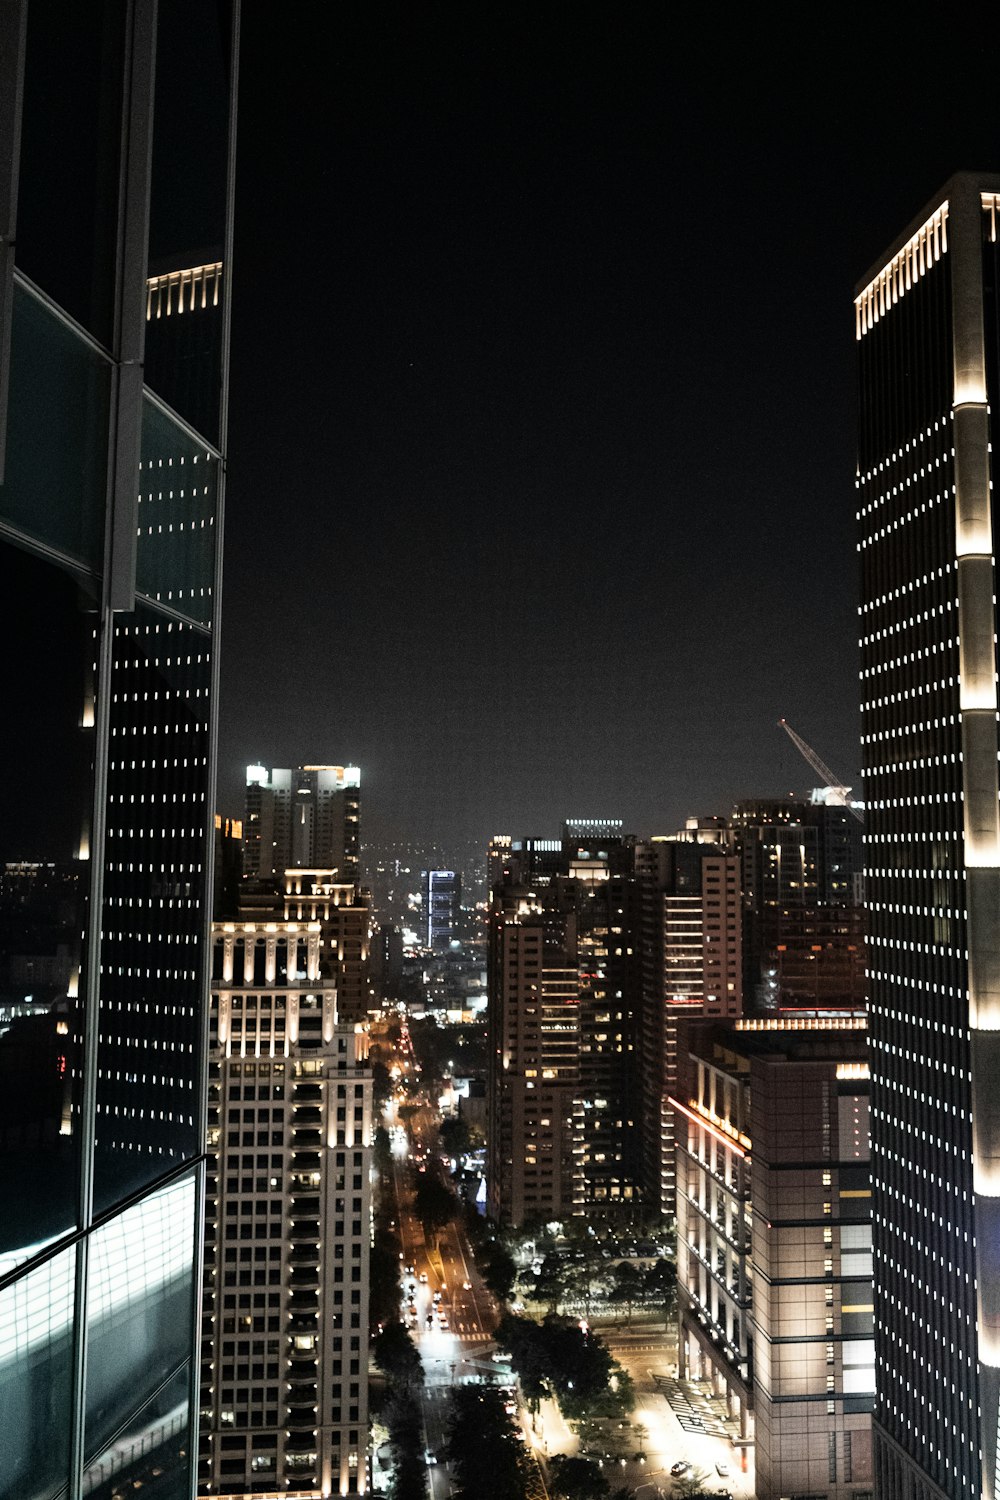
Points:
543	399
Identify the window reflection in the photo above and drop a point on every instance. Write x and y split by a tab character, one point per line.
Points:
140	1312
45	800
36	1326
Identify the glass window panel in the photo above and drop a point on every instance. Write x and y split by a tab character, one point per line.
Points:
57	434
36	1352
176	517
46	794
153	1453
187	211
149	1062
67	216
139	1331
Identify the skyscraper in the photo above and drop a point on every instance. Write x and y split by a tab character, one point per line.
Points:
928	343
441	891
288	1222
563	999
115	154
803	925
774	1256
305	817
690	940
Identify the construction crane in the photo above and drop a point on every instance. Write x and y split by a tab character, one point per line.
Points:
841	795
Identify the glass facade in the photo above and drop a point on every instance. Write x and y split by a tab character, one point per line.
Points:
929	722
110	531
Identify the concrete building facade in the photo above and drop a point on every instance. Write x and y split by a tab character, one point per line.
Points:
284	1402
306	817
691	963
774	1244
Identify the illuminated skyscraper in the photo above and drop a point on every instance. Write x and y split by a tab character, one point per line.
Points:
691	964
563	978
307	817
115	153
442	894
288	1222
774	1255
928	343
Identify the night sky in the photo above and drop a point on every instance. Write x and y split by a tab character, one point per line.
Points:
541	495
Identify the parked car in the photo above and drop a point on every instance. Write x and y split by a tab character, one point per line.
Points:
722	1470
680	1467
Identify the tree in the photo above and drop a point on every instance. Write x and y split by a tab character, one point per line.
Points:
381	1084
585	1269
628	1283
402	1417
523	1340
484	1449
383	1284
383	1149
433	1204
454	1133
396	1355
574	1478
558	1358
552	1282
692	1484
660	1284
499	1269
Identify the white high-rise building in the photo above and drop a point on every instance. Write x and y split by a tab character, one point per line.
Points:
288	1223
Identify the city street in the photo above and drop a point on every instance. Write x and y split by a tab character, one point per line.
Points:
650	1357
452	1335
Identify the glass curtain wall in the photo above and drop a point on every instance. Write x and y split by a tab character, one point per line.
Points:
110	540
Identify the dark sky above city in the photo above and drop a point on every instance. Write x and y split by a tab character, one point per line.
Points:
541	487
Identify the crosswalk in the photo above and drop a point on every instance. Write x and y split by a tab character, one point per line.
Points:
692	1412
534	1487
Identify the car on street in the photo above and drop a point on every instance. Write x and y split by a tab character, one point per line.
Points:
679	1468
722	1470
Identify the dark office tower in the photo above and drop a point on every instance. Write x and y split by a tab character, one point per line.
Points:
928	344
563	975
227	867
386	963
802	918
534	1128
442	895
691	964
308	817
114	152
